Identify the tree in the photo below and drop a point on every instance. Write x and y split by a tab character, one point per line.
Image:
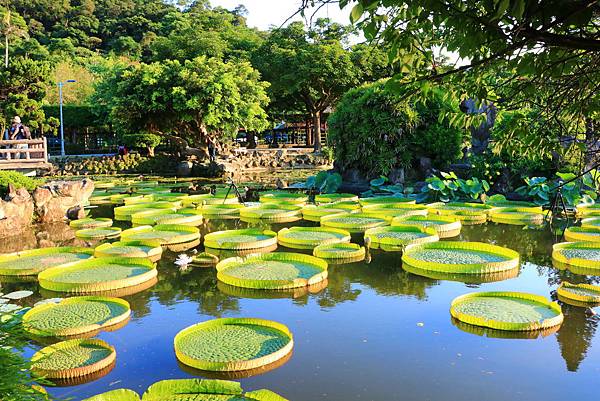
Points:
145	140
189	100
13	26
310	67
542	53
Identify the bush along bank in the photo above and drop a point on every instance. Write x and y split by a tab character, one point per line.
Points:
132	163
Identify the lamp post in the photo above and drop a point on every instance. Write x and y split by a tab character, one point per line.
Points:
62	132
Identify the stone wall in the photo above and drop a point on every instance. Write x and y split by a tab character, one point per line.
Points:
52	202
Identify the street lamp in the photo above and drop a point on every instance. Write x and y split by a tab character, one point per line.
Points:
62	132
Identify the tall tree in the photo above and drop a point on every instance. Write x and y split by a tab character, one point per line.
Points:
13	27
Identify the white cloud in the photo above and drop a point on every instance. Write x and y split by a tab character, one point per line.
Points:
263	14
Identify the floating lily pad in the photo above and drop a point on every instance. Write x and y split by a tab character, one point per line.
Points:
526	215
205	259
460	257
166	234
91	223
233	344
310	237
221	211
354	222
584	293
280	270
98	275
282	197
273	212
31	262
515	311
99	200
73	358
314	213
98	233
187	217
151	250
395	210
16	295
578	255
445	226
75	316
188	390
251	238
399	236
329	198
344	251
379	200
468	213
591	222
588	233
124	213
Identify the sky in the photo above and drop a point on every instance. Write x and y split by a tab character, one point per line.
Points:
264	13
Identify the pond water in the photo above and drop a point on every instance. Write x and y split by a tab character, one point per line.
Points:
375	332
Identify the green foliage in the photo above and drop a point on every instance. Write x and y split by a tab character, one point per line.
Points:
542	191
450	188
371	130
74	116
191	98
324	182
439	142
18	180
142	140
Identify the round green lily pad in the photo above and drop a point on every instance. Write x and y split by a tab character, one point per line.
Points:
379	200
589	211
515	311
445	226
314	213
233	344
31	262
251	238
467	278
354	222
99	200
98	233
310	237
468	213
273	212
583	293
124	213
91	223
279	270
98	275
576	256
460	257
166	234
591	222
588	233
329	198
221	211
73	358
399	236
528	215
75	316
130	249
395	210
345	251
282	197
186	217
205	259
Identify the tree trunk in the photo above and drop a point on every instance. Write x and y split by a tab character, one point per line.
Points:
150	151
6	51
310	132
317	131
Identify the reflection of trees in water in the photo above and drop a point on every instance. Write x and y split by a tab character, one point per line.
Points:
196	284
575	335
384	275
534	245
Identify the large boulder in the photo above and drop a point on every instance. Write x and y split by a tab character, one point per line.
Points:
55	199
16	212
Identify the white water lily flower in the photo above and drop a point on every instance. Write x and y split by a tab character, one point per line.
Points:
183	260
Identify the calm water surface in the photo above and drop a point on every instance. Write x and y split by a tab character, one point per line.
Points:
375	332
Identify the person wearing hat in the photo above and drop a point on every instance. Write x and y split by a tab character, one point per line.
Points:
19	131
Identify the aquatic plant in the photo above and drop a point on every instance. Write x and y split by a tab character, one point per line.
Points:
586	293
130	249
166	234
445	226
233	344
347	251
399	236
98	233
250	238
515	311
91	223
31	262
354	222
310	237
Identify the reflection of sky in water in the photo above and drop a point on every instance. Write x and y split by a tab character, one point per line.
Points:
362	339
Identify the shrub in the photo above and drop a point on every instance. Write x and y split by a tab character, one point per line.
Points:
18	180
371	130
441	143
142	140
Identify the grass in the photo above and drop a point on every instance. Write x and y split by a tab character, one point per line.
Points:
17	180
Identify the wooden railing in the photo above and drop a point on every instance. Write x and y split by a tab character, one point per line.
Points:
23	153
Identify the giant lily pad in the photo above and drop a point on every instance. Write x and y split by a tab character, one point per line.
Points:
587	233
166	234
31	262
186	217
280	270
524	215
251	238
283	197
580	293
310	237
514	311
314	213
272	212
460	257
340	251
398	237
395	210
219	211
91	223
381	200
75	316
124	213
329	198
98	233
233	344
98	275
73	358
445	226
580	257
354	222
130	249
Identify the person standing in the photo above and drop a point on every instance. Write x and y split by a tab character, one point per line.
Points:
18	131
212	148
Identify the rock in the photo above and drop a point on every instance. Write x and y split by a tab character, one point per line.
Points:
16	213
425	166
396	176
76	213
53	200
184	169
281	184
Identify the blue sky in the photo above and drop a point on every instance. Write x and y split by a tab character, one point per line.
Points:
264	13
